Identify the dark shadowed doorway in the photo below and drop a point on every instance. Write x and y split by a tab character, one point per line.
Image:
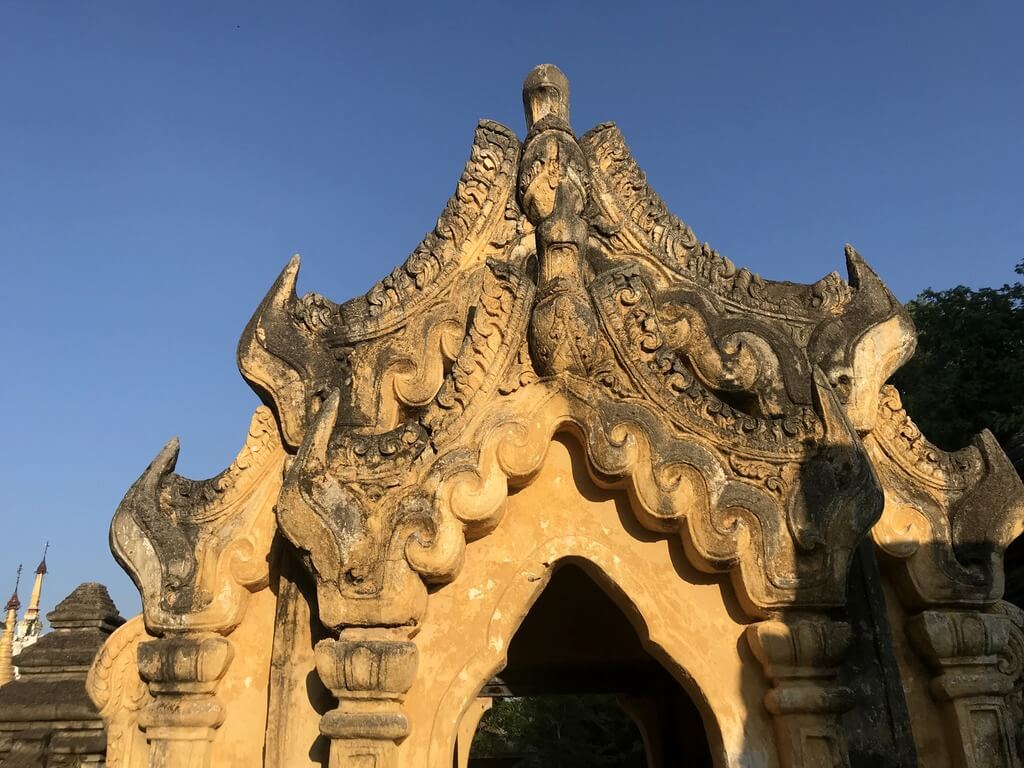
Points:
580	691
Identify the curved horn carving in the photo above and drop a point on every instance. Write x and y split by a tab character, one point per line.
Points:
195	548
948	516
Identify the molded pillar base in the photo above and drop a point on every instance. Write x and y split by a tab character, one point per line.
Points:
369	670
182	673
801	656
962	648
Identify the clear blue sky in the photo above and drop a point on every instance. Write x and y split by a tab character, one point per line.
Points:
159	163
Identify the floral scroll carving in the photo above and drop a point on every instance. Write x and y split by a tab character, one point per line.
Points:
119	693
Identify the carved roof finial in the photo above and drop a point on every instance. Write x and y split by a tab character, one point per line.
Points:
546	97
14	603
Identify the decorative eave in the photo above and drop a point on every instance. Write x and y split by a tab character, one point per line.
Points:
557	298
296	349
632	215
568	290
555	294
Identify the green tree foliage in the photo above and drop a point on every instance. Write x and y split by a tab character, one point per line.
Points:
968	371
560	732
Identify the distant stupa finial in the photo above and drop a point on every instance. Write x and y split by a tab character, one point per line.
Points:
14	603
32	612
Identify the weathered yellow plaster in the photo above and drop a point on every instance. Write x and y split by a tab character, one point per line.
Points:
562	515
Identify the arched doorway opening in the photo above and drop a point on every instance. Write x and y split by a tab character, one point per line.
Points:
579	689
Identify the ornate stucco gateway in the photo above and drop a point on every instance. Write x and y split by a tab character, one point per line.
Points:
562	373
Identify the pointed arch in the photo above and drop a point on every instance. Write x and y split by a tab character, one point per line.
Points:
564	516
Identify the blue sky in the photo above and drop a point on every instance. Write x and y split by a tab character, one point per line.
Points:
159	164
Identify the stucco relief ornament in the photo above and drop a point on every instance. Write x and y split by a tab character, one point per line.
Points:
409	441
613	343
553	190
557	295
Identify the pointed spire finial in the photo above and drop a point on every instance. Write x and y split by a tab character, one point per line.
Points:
14	603
546	96
32	613
41	568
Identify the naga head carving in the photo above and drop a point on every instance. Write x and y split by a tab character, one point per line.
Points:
351	540
949	516
194	548
862	347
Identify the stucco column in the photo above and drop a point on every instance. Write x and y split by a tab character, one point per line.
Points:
643	711
801	657
182	672
467	729
962	648
369	670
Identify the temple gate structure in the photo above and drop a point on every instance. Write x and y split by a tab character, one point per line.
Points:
563	401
